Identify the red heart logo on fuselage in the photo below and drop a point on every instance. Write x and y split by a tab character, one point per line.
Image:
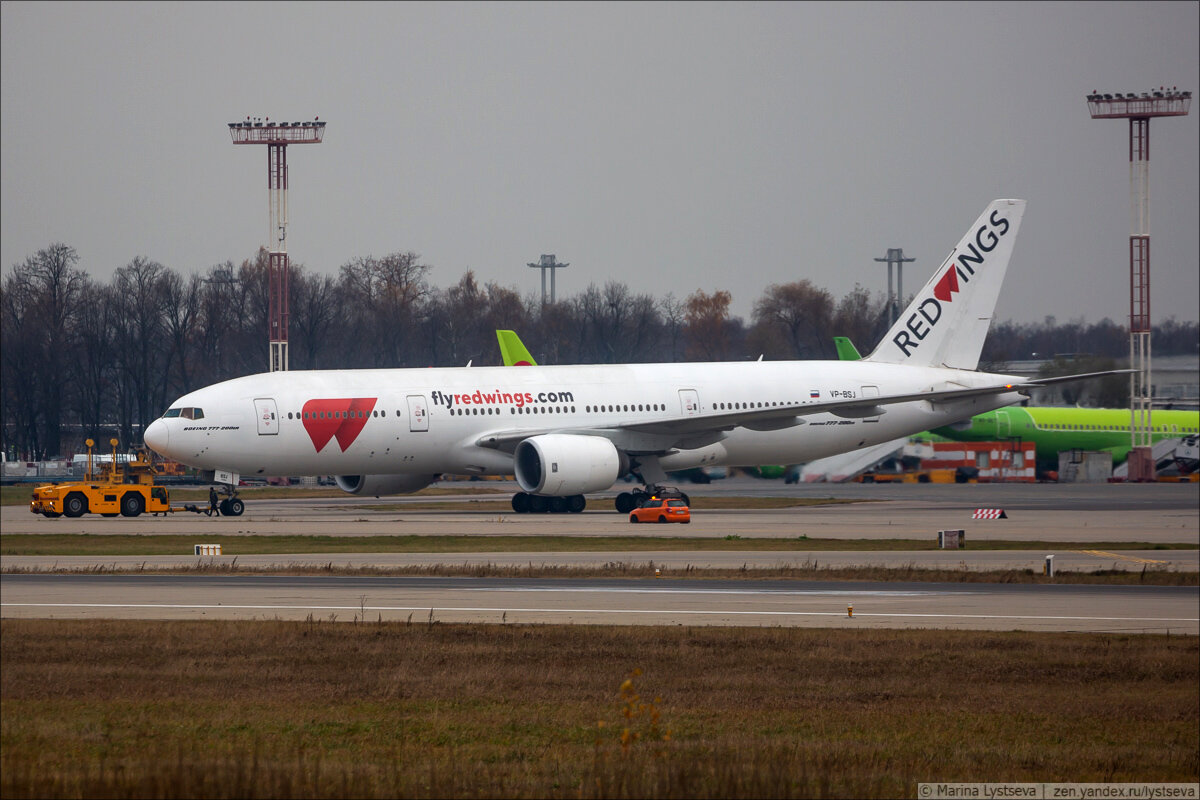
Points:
341	417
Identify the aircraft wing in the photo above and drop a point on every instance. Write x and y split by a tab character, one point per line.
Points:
687	432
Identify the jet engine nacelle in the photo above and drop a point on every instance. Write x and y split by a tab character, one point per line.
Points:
377	485
562	464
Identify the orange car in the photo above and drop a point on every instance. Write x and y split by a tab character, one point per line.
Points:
659	509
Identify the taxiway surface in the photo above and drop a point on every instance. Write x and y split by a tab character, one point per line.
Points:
1149	513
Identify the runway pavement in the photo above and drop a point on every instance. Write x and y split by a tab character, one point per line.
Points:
645	602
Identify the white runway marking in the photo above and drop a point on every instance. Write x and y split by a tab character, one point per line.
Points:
498	610
754	592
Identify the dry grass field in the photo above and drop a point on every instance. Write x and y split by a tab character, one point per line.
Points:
324	709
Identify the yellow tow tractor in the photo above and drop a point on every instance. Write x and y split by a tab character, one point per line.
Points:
115	488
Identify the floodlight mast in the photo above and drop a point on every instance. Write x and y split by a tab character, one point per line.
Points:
1138	110
277	136
895	256
548	262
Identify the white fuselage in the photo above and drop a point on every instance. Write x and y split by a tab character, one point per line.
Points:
427	421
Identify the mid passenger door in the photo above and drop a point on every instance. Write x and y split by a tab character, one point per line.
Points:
689	402
268	416
418	413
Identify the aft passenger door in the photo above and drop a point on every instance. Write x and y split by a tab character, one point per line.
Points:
268	416
418	413
870	391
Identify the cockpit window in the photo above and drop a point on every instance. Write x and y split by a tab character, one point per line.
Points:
172	412
186	413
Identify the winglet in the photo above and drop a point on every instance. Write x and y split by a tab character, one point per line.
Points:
513	351
948	319
845	349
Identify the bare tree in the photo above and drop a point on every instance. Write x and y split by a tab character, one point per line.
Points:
181	312
792	320
143	360
862	317
316	313
41	302
96	364
708	328
384	298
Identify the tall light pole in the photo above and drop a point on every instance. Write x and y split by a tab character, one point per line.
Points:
277	136
548	262
1138	110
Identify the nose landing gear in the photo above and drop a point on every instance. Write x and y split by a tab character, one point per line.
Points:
523	503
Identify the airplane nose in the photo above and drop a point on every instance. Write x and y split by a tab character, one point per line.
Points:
156	437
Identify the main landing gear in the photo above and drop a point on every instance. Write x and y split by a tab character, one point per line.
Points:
628	501
523	503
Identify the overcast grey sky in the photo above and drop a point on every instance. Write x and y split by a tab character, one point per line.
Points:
670	146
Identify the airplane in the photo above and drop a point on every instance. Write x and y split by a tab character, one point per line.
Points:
1054	429
566	431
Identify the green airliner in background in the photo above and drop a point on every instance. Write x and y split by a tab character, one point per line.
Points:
1053	429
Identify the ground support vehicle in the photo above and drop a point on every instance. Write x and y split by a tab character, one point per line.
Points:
117	488
661	509
941	475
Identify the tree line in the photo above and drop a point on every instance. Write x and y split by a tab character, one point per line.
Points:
83	358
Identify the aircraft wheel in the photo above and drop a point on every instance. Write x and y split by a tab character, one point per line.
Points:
558	505
520	503
132	504
537	504
625	503
75	505
235	507
576	503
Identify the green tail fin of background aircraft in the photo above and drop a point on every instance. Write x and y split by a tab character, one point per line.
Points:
513	351
845	349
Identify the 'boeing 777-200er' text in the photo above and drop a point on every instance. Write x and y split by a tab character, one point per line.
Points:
564	431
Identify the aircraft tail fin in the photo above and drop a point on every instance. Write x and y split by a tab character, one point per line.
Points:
845	349
948	319
513	351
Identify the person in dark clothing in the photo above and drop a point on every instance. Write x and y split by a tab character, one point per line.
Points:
213	507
